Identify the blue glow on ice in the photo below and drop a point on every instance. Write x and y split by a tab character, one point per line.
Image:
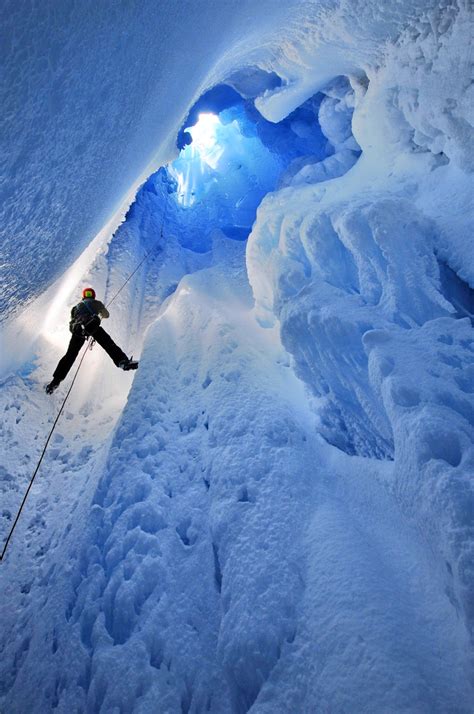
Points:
205	139
224	173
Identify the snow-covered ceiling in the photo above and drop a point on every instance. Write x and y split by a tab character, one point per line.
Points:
93	95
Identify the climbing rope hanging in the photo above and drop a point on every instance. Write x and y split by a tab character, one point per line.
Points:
145	256
42	456
88	347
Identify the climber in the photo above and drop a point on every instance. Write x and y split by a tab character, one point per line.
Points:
85	323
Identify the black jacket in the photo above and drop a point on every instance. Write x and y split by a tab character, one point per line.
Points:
85	316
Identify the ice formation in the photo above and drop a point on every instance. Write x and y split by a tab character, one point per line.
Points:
276	513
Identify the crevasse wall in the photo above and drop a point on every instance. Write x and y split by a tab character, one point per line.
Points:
352	270
93	95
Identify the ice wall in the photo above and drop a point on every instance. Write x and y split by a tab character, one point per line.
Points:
93	95
354	269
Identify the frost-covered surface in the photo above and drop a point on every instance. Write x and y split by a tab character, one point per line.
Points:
366	276
275	514
225	558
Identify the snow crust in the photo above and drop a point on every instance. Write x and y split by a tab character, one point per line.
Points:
224	559
275	514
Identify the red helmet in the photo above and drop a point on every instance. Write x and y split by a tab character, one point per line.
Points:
88	293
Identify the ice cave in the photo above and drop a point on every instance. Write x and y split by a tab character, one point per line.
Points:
275	512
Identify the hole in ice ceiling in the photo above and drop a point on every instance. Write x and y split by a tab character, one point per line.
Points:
231	157
225	169
204	135
213	101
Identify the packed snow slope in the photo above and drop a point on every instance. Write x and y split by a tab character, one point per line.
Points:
215	555
276	513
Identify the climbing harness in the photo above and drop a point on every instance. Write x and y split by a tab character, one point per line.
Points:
88	347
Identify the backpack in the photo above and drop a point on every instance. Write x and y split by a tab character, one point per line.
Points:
83	320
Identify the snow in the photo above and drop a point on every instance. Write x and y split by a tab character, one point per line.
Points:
222	542
275	512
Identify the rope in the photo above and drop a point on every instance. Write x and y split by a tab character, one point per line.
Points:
129	277
87	348
42	456
144	258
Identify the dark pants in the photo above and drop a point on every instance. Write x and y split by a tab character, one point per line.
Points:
75	344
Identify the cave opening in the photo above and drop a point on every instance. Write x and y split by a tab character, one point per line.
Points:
230	157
